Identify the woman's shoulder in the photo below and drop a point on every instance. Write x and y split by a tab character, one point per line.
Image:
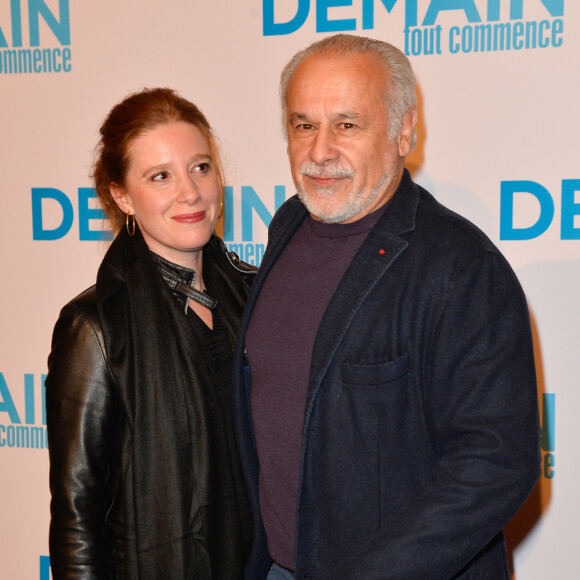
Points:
231	258
79	321
77	362
83	305
224	265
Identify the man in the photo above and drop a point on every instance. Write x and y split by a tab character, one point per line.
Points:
387	406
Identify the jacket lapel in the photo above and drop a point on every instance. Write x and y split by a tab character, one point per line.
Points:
377	254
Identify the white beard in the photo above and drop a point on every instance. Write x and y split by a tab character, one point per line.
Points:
355	204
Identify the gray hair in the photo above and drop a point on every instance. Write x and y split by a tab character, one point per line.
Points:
399	95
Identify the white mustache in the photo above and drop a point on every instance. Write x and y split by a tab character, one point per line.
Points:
311	169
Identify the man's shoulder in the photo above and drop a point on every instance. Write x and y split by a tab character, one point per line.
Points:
443	226
292	209
444	246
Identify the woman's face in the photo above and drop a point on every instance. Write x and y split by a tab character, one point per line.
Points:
173	190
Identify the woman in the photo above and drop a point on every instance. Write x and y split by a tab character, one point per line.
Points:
144	473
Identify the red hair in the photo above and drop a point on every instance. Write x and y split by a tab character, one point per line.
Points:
131	118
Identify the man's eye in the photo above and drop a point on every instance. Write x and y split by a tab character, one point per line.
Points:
348	125
304	127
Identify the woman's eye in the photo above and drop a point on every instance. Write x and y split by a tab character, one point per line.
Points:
202	168
161	176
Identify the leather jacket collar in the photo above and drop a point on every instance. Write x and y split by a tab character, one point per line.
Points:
180	280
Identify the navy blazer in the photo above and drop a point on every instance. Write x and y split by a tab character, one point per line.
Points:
421	430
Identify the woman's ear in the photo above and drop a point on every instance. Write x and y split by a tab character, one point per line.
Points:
121	198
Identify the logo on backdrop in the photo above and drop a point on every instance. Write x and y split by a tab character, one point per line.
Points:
440	27
44	566
548	436
35	38
247	249
23	413
516	195
53	218
53	215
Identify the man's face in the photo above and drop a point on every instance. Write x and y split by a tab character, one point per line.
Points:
342	161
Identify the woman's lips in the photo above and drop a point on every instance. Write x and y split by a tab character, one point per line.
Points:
189	218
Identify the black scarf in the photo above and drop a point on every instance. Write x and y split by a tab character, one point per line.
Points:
184	500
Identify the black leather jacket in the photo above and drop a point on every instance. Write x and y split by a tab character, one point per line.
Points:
94	531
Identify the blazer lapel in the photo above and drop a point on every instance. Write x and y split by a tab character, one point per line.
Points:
377	254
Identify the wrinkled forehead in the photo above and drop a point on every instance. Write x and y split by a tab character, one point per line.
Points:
364	68
345	83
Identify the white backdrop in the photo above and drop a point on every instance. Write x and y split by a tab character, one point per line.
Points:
492	121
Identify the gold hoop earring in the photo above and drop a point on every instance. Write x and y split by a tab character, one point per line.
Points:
220	208
130	224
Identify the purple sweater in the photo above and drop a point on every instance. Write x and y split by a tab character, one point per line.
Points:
279	345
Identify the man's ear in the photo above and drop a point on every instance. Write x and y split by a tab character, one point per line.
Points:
121	198
407	134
